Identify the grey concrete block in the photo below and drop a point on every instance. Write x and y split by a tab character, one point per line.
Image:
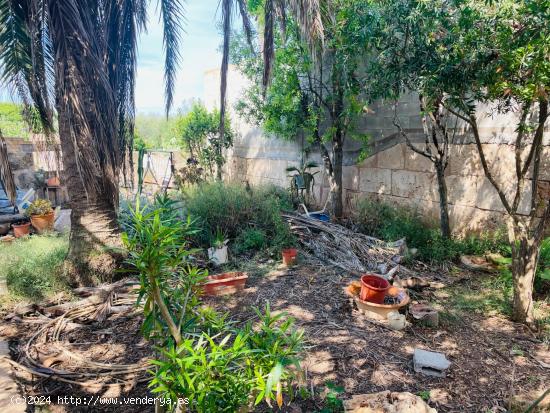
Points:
430	363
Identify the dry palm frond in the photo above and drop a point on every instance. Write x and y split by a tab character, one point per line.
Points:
6	175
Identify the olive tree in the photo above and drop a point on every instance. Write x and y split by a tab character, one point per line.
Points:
505	57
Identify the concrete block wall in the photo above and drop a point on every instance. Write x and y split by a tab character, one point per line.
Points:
393	172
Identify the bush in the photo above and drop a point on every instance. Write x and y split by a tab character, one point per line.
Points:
236	210
33	266
251	239
230	371
391	223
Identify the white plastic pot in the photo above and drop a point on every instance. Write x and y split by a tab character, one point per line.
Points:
396	321
218	255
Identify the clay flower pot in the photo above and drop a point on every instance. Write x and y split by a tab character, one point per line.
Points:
43	223
289	256
53	182
225	283
21	230
373	288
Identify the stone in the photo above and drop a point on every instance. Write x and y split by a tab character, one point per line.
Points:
430	363
375	180
387	402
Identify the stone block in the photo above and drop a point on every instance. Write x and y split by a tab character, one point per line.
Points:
420	185
417	162
465	220
464	160
430	363
391	158
350	177
370	162
268	169
375	180
462	190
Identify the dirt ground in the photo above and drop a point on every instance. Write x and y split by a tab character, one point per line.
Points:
495	363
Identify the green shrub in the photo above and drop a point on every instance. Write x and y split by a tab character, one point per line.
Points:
235	209
251	239
33	266
229	371
391	223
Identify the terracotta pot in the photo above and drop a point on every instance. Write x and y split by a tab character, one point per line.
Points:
373	288
4	228
53	182
20	230
43	223
289	256
225	283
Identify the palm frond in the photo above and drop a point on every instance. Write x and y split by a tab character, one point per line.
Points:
172	17
247	24
22	55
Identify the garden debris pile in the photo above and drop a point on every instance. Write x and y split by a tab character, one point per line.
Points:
351	251
54	350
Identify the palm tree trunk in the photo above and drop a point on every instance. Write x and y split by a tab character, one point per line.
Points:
94	241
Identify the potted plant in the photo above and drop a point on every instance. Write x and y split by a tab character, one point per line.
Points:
42	216
21	228
218	252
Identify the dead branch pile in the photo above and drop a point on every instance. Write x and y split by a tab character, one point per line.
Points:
351	251
47	346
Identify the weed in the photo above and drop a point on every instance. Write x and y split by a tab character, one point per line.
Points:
424	395
333	403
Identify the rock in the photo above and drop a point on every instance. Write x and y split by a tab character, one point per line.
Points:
430	363
387	402
425	315
62	222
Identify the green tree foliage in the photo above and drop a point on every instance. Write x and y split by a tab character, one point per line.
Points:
316	96
198	132
461	53
156	131
12	123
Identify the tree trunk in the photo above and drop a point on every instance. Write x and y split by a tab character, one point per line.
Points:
94	248
443	203
525	254
336	184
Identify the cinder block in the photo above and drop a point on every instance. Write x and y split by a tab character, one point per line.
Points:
430	363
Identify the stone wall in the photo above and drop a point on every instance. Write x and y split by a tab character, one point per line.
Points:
392	172
20	155
26	157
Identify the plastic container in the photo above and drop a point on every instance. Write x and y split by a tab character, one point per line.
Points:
373	288
396	321
289	256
